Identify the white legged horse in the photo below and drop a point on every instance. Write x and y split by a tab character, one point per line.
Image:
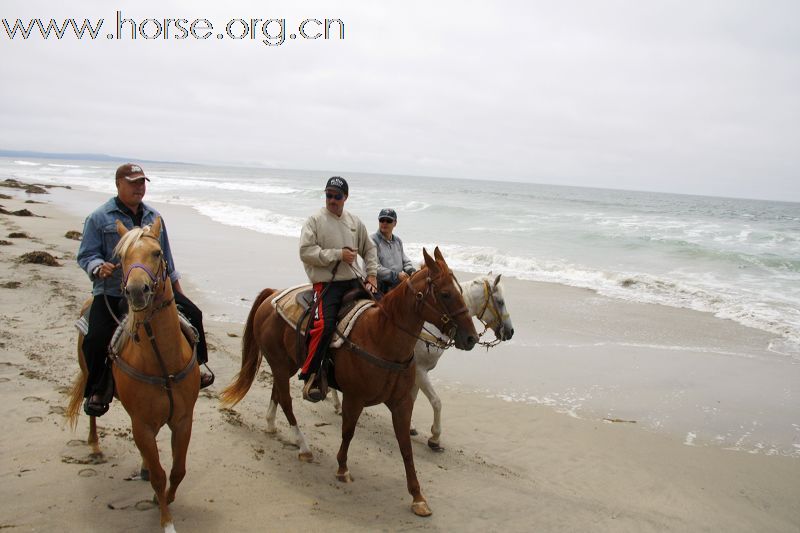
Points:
485	301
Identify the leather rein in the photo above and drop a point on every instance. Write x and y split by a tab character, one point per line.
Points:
421	298
166	380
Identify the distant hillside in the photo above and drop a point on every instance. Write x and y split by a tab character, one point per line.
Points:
75	157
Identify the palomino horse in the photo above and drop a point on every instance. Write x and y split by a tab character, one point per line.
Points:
156	374
485	301
376	366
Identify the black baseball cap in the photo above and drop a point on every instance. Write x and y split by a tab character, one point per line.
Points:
387	213
337	182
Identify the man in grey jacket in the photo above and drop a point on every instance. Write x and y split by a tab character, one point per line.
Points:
394	266
329	243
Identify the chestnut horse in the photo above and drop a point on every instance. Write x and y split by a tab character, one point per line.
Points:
485	300
376	366
156	374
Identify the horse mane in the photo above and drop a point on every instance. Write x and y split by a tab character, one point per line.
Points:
128	239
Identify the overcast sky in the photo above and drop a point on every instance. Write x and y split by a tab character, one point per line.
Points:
680	96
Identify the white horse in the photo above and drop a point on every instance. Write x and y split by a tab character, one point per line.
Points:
485	301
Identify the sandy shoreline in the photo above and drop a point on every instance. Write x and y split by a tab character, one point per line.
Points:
508	465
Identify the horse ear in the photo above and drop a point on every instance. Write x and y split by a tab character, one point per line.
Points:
429	261
497	280
437	254
121	229
155	228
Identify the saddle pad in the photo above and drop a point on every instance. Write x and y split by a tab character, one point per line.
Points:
285	303
121	335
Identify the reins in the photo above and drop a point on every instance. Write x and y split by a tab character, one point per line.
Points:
420	298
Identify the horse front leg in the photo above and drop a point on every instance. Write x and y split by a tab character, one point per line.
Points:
145	439
181	435
401	420
414	391
424	383
351	411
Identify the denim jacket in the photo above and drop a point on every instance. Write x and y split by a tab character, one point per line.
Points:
100	237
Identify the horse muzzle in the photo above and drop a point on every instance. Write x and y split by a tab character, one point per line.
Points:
465	341
139	296
503	333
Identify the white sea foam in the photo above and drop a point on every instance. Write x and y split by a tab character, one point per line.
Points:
260	220
27	163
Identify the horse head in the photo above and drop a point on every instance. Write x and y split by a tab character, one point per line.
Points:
143	265
439	300
488	294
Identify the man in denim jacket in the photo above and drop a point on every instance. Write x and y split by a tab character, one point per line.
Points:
95	257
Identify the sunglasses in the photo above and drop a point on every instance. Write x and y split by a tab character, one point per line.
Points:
336	195
385	220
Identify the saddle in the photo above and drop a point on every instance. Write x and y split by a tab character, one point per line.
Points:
119	338
292	305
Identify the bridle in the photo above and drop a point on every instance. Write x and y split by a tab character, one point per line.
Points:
421	298
490	304
166	380
158	277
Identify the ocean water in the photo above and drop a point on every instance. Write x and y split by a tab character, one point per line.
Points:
738	259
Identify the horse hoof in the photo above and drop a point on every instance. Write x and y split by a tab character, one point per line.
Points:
421	509
306	457
169	527
413	432
344	478
435	446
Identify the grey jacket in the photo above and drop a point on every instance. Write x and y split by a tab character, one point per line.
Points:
391	260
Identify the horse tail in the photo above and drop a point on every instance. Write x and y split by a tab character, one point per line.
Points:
76	392
251	357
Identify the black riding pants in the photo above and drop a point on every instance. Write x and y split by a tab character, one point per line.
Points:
102	326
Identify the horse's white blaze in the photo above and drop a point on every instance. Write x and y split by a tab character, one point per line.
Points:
169	528
300	440
271	410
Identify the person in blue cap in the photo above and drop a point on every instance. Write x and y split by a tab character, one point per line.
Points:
394	266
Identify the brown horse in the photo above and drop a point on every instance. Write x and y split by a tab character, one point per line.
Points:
376	368
156	374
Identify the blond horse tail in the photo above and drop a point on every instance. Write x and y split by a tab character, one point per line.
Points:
76	392
251	357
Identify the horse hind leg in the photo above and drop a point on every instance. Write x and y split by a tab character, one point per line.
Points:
92	440
337	405
282	396
145	440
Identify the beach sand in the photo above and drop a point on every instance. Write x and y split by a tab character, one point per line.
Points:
508	466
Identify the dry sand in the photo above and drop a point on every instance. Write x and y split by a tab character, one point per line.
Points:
507	467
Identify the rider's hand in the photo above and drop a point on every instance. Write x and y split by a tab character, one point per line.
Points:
348	255
372	283
402	276
106	269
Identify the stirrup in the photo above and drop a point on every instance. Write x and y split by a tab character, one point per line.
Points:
94	408
312	391
206	380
